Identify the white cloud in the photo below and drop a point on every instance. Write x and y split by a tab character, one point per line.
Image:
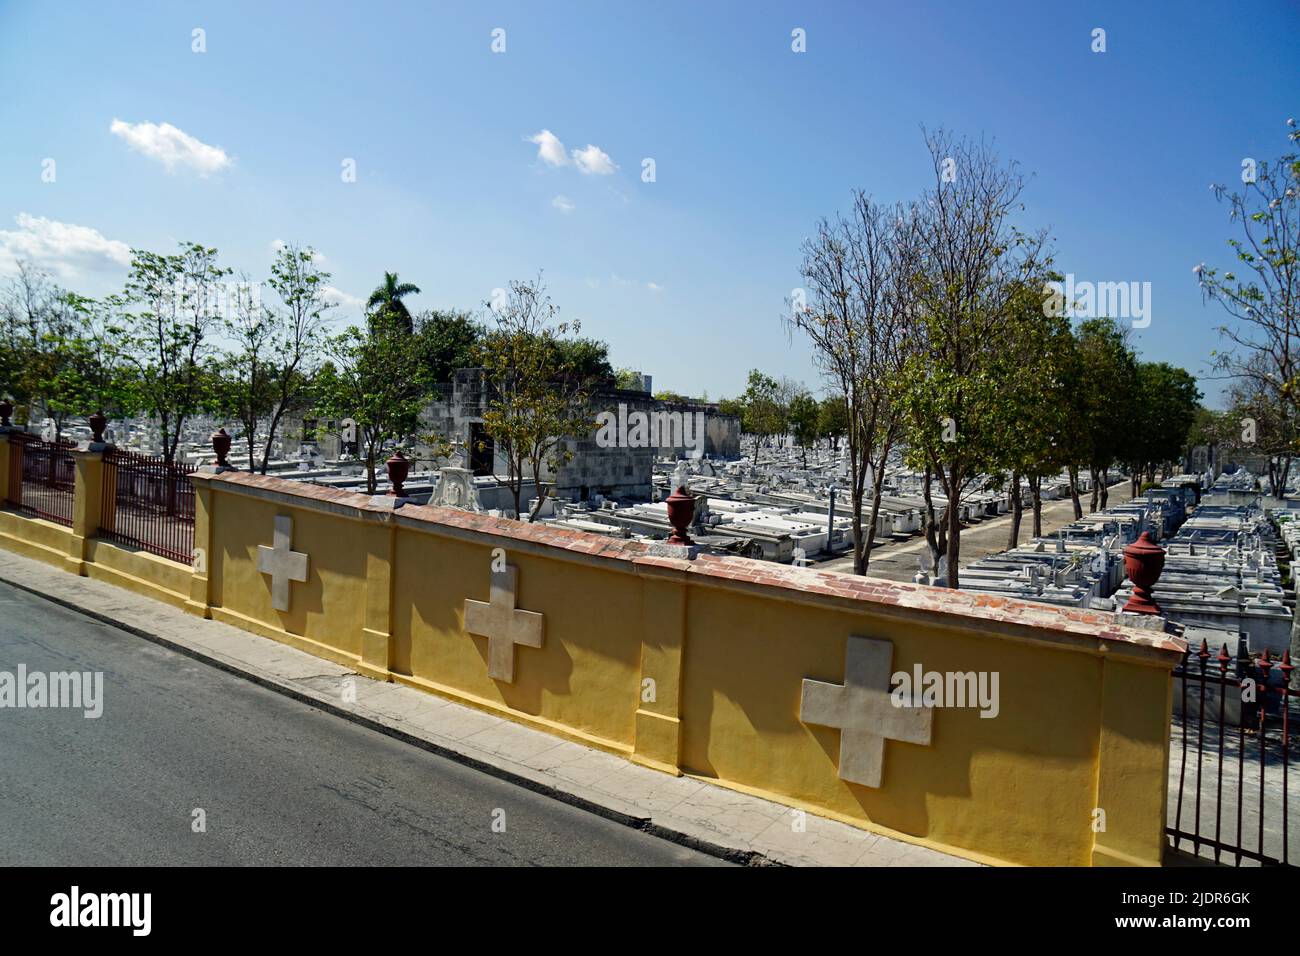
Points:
618	280
549	148
593	161
590	161
171	147
563	204
339	297
62	248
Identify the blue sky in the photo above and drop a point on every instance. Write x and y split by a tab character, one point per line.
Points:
685	277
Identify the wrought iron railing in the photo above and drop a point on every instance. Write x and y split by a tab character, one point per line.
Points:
1233	761
42	477
149	503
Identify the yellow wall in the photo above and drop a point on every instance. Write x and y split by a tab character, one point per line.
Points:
584	675
1084	711
326	610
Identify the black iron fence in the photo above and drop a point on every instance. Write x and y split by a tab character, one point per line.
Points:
1231	757
148	503
42	476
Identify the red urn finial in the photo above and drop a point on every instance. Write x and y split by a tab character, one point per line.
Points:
398	468
98	422
1143	561
681	511
221	445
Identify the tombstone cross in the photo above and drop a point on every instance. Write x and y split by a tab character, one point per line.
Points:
863	710
503	625
281	563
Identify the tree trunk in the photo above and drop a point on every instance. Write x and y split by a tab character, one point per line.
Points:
875	509
1036	486
1102	487
1092	505
934	534
954	528
856	483
1074	492
1017	510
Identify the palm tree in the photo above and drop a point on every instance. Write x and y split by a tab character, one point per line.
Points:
387	297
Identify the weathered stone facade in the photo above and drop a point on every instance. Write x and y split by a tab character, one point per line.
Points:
615	471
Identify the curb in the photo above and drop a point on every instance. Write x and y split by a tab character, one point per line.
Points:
750	858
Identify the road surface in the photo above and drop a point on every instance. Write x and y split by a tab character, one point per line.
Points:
276	781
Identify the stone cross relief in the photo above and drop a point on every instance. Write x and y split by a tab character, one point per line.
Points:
863	711
503	624
281	563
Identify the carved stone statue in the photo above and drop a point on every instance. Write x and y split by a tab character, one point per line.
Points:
456	490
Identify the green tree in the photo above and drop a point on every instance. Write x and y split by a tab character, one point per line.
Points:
1036	372
805	414
537	383
1108	384
268	372
172	303
387	300
378	376
1165	407
832	419
973	264
761	413
449	342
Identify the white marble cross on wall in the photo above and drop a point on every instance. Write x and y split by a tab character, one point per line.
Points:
503	625
863	710
281	563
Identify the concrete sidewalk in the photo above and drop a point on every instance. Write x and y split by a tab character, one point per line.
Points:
694	812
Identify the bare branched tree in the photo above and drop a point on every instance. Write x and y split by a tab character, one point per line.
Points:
857	316
1264	299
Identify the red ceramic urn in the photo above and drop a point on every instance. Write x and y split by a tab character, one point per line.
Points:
221	445
398	468
681	511
98	422
1143	560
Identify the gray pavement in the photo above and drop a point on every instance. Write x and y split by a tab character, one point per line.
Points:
278	781
688	810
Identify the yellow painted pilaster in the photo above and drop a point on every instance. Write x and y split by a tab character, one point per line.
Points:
377	629
663	642
200	599
1132	763
88	491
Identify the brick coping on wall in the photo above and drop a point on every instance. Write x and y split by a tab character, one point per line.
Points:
1096	631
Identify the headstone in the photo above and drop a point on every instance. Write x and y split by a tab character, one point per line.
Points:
456	489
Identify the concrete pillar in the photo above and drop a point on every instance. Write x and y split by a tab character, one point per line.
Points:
88	495
663	644
377	648
1133	762
200	599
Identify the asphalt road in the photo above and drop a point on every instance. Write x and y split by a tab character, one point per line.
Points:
278	781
